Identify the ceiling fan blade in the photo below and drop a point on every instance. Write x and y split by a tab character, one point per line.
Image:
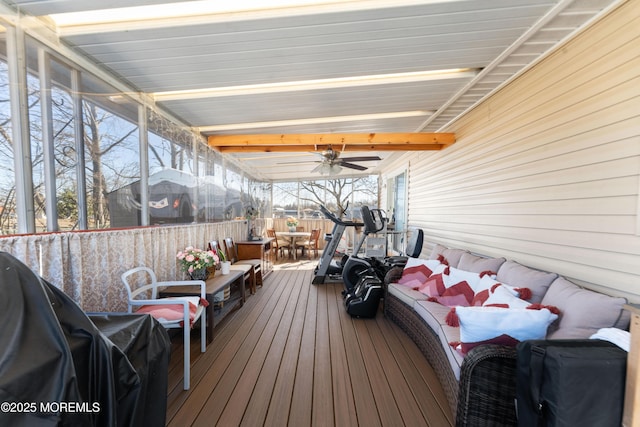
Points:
352	166
360	159
321	158
301	162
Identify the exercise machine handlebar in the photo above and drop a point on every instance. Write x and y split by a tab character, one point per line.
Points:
330	215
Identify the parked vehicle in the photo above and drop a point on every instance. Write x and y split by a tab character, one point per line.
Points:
175	197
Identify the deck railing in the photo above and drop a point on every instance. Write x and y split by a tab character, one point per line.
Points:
87	265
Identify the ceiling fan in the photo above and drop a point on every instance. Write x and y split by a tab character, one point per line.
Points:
332	163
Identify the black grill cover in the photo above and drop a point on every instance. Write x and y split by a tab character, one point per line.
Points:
61	367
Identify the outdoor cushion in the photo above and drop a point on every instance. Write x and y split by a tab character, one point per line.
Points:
452	256
171	312
583	312
418	270
405	294
519	276
434	286
502	296
479	324
434	315
459	294
477	264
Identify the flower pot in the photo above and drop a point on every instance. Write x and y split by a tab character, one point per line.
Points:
292	229
212	271
225	267
199	274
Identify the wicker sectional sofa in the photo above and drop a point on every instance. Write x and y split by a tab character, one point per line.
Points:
480	386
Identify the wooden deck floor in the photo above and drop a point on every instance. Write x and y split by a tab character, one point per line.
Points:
292	356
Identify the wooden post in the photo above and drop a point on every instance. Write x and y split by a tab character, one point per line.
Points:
631	414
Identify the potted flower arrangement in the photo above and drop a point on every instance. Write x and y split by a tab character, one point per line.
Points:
292	223
197	262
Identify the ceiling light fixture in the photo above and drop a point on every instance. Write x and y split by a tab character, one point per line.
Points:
327	169
314	120
302	85
207	12
177	10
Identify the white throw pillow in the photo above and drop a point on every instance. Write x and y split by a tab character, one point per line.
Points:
505	296
482	324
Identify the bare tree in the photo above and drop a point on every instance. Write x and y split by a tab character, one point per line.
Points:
336	194
7	160
98	144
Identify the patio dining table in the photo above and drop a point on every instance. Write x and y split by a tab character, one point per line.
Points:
292	237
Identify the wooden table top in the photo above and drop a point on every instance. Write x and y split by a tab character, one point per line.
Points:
214	284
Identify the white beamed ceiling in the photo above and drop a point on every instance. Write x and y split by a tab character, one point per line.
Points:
495	38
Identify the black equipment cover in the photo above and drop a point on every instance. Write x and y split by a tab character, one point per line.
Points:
570	383
57	368
365	298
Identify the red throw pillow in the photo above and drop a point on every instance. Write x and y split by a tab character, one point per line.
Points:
504	339
459	294
434	286
414	276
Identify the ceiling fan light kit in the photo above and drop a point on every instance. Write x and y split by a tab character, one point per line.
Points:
332	164
327	169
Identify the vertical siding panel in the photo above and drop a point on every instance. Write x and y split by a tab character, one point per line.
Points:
547	170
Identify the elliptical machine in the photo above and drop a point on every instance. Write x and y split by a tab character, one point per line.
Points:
364	277
374	221
362	299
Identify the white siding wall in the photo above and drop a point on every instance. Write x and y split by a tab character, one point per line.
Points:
547	171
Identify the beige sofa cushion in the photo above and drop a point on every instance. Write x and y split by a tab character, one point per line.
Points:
451	255
583	312
434	315
405	294
477	264
519	276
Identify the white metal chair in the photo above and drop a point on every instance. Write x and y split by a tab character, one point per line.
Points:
166	310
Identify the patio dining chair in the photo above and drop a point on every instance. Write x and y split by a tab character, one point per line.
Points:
311	244
279	245
171	312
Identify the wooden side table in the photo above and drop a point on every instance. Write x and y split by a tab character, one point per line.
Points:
257	249
215	284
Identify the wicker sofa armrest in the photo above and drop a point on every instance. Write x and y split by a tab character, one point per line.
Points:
487	387
393	275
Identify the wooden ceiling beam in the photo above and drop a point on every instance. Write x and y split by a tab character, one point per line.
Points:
311	148
342	141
